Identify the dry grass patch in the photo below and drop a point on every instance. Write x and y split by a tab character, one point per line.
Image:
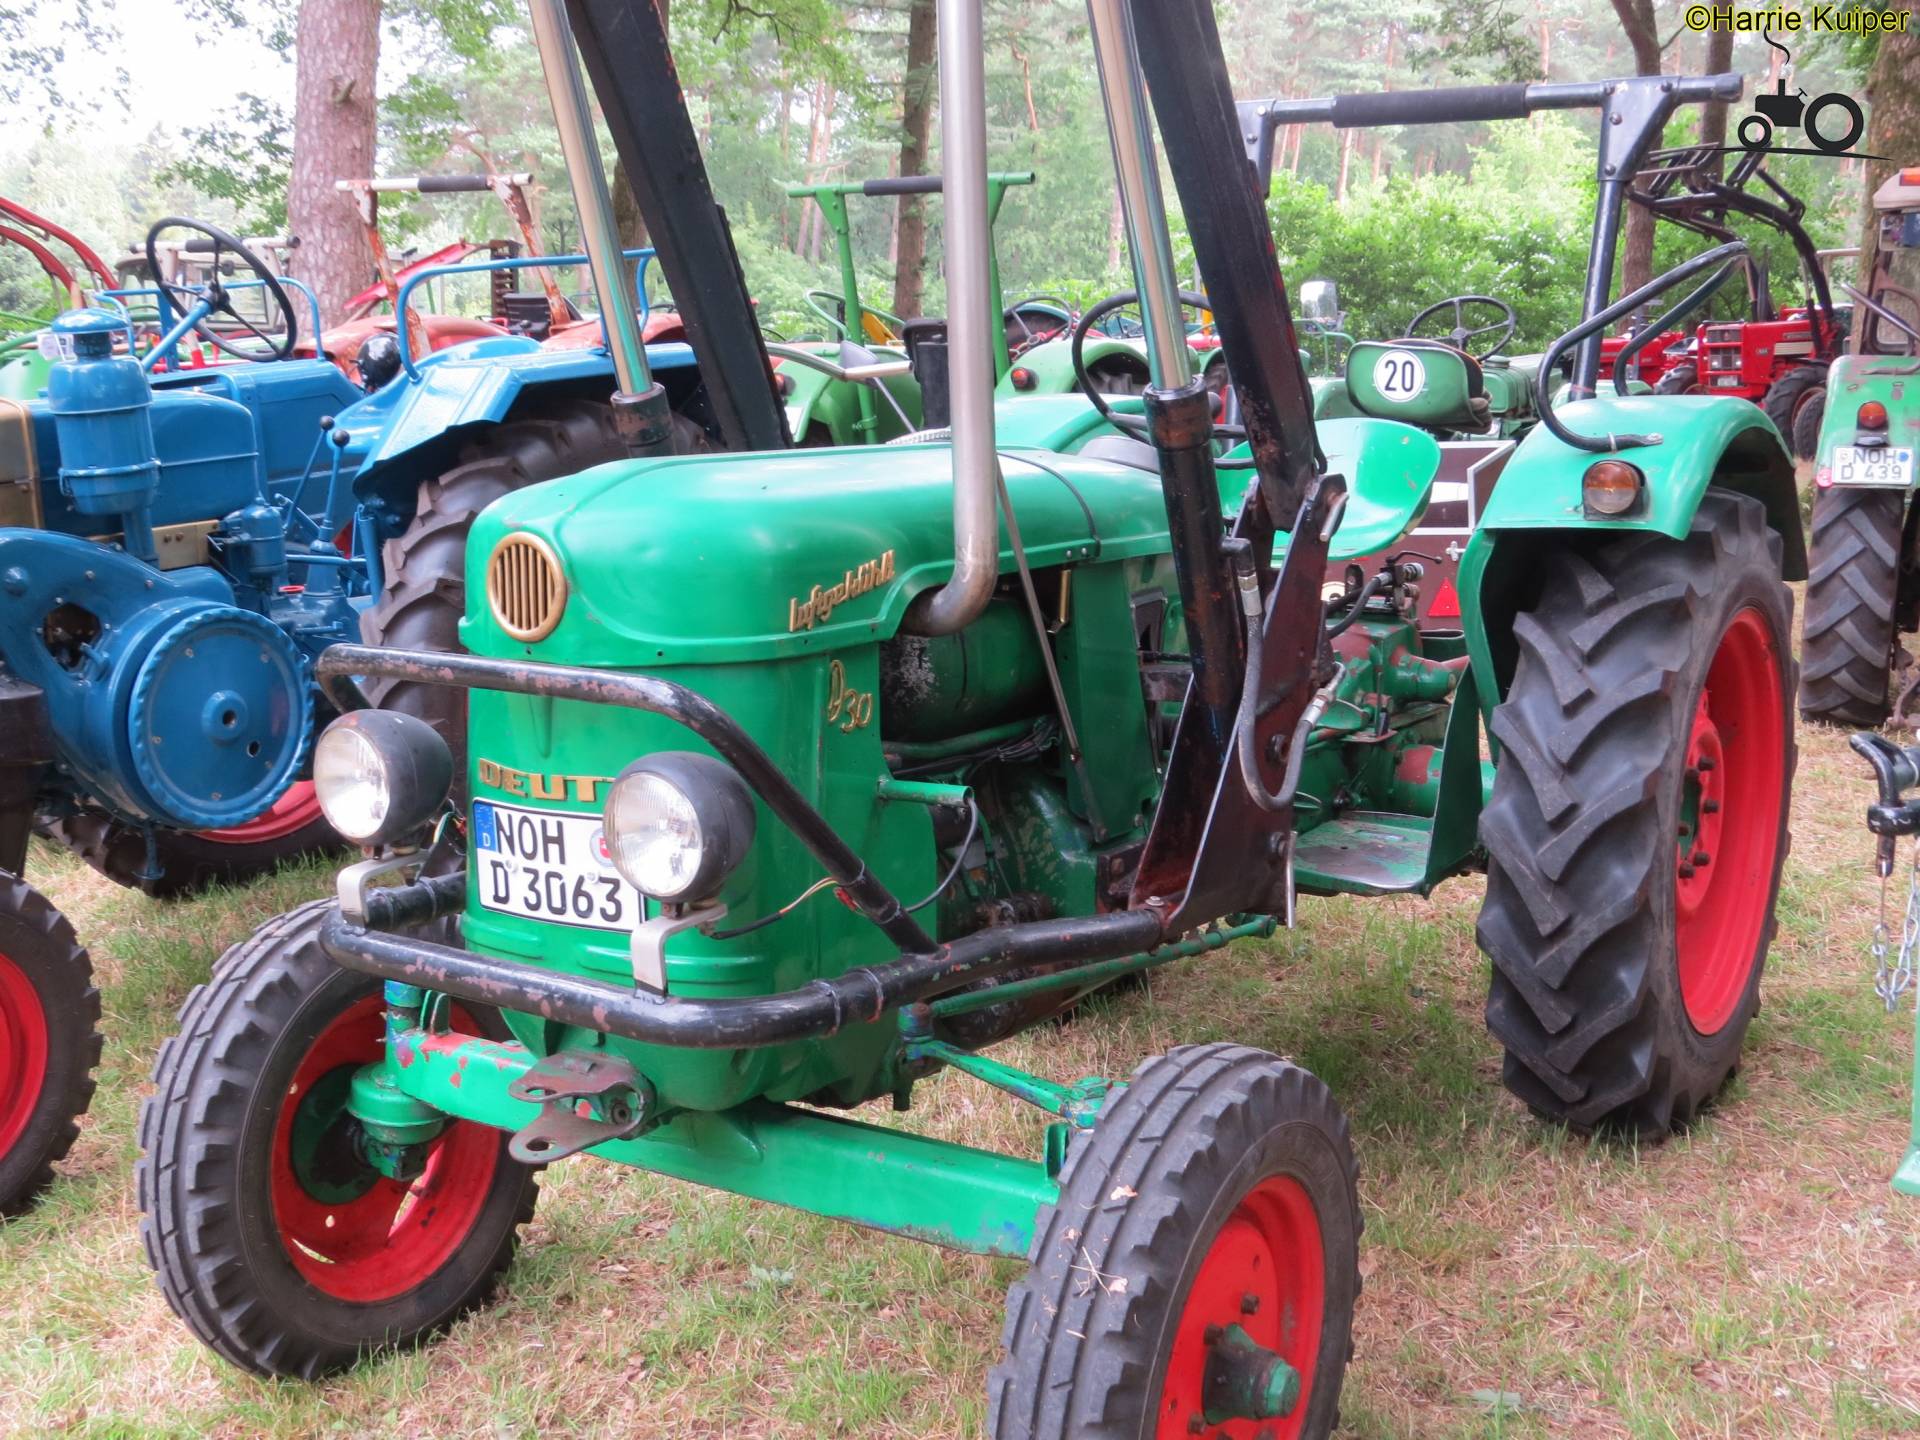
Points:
1753	1278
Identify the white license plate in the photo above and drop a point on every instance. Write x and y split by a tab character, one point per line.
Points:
1882	465
549	865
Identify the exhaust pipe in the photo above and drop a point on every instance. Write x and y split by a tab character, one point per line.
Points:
970	322
640	410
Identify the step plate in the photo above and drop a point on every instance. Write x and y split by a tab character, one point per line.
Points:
1364	852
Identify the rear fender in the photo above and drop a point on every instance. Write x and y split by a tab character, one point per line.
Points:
410	429
1705	440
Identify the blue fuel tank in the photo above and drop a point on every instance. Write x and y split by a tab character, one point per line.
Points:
100	403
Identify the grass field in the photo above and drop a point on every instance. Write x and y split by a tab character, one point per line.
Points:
1755	1277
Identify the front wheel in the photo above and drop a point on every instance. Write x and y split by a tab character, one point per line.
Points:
1199	1272
49	1040
272	1235
1638	821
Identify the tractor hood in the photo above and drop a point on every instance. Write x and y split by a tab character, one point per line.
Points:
695	560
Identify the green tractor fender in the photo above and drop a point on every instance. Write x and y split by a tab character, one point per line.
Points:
1705	441
824	411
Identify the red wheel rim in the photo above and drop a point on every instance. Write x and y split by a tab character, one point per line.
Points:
23	1053
1732	796
295	810
1267	1273
374	1238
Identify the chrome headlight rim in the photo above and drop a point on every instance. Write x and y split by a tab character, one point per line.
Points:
722	812
404	759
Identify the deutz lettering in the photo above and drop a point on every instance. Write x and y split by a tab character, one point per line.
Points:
813	608
538	785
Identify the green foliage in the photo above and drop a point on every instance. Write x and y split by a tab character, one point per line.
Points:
242	160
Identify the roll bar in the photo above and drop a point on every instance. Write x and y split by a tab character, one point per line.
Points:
1637	109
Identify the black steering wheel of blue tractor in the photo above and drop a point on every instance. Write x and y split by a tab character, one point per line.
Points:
218	299
1462	332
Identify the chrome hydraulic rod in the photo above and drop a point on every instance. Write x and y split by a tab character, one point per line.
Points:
1142	205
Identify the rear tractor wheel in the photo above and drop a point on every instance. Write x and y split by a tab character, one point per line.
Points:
273	1236
1796	403
1638	822
189	861
49	1040
1199	1272
1853	576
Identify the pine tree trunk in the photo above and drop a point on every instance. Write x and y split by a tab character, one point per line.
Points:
1713	114
337	50
916	124
1636	262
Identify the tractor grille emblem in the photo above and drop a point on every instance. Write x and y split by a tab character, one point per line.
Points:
526	589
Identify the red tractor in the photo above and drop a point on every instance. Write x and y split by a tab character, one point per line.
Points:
1777	357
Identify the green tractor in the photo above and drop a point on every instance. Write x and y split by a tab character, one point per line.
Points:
798	779
1864	591
863	382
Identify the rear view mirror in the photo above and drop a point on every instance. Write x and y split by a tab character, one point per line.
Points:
1320	301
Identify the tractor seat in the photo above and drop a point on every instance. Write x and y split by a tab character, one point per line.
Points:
1389	470
1422	382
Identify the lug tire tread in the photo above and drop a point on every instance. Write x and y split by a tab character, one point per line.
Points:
425	592
1078	1360
1853	576
1577	826
187	1224
74	1044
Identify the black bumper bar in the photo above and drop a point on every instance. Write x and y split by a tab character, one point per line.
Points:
858	997
338	666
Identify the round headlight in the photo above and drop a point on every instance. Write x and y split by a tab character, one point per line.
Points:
678	824
380	775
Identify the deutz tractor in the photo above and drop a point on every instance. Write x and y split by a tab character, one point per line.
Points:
1864	593
798	779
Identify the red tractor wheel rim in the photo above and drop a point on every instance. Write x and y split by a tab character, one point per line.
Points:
295	810
1733	792
375	1238
23	1053
1266	1273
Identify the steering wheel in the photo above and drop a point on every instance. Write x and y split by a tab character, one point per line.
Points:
1016	315
217	298
1463	332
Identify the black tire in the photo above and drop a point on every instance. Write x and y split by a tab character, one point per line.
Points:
1088	1345
206	1177
1787	400
1806	426
1682	379
425	568
1588	890
189	863
1853	572
49	1040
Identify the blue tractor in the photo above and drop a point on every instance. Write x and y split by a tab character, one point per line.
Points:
161	526
178	545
